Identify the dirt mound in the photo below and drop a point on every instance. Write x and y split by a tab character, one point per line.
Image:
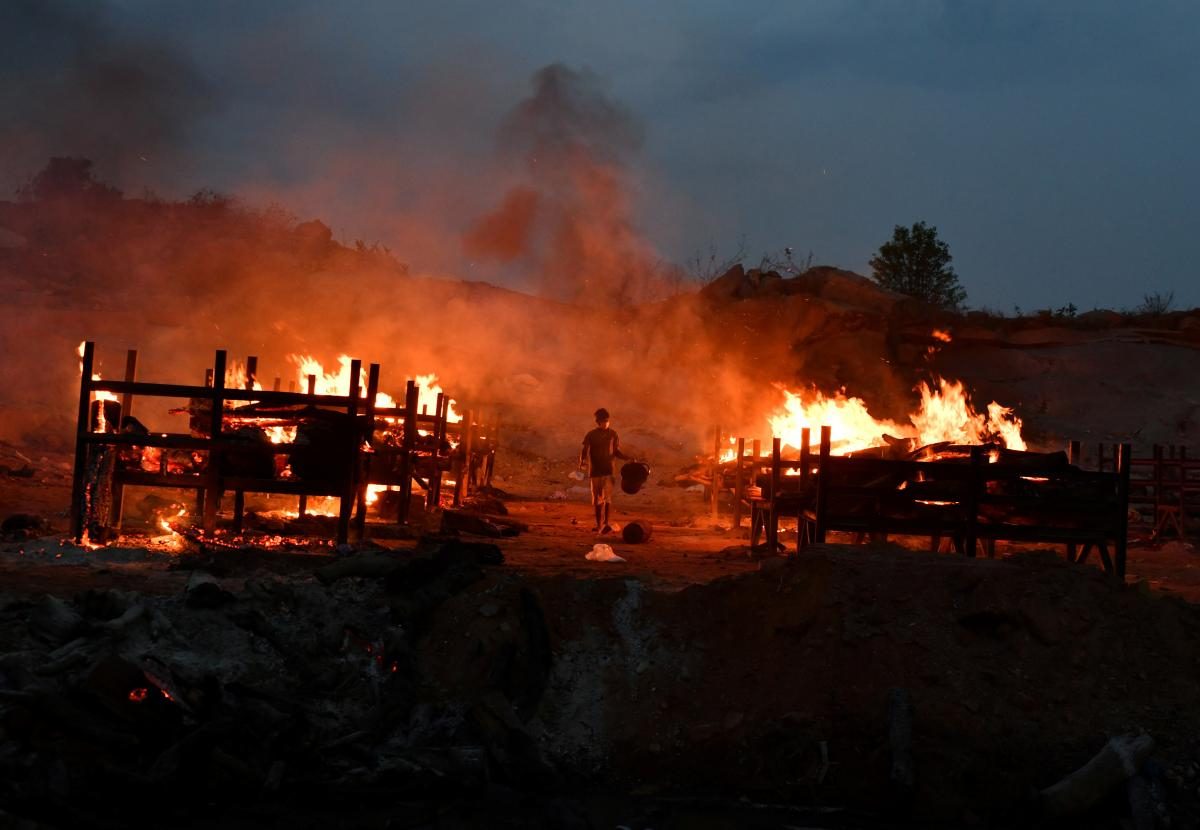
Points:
776	685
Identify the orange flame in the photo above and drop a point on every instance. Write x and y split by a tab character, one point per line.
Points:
101	424
945	413
338	383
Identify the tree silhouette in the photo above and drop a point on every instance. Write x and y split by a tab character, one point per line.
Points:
915	262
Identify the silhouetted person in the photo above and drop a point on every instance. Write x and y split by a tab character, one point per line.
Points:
600	447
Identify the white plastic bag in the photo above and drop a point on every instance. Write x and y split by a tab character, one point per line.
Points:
603	553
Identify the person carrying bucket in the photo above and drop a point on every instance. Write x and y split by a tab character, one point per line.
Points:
600	446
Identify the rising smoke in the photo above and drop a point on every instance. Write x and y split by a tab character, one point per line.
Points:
73	83
570	221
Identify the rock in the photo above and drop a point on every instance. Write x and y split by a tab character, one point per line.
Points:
203	591
22	526
636	532
54	620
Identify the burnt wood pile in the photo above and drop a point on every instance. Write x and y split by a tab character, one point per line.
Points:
249	440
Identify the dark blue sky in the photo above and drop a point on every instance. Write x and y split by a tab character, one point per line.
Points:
1055	145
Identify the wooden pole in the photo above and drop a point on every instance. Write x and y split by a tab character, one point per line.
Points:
493	437
82	427
369	436
212	489
805	455
469	440
975	486
118	489
715	489
312	390
1124	457
822	506
412	396
1073	450
439	435
239	496
739	483
349	487
773	520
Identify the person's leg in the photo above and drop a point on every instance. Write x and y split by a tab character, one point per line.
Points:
599	510
597	499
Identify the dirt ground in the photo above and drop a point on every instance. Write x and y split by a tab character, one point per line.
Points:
694	679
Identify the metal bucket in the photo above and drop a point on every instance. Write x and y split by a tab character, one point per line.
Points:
633	476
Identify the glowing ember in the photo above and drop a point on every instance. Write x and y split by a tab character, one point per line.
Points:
139	695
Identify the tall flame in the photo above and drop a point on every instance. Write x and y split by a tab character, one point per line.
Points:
945	413
337	382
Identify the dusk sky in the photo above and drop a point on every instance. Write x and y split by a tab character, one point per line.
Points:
1055	145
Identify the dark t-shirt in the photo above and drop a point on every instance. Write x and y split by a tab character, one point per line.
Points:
599	447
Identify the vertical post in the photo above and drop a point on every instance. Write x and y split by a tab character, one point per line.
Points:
1124	457
975	486
469	456
823	484
212	489
805	455
350	484
1073	453
773	520
439	435
277	384
368	436
493	446
82	427
412	396
312	390
118	489
739	483
251	371
717	477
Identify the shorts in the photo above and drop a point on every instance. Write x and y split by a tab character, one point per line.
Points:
602	489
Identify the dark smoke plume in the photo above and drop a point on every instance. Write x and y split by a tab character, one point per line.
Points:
570	221
72	84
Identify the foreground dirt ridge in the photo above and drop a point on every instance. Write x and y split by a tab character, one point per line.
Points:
418	675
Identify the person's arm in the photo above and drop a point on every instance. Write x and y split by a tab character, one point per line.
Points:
583	453
617	449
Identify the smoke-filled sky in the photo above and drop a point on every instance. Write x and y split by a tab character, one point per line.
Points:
1054	145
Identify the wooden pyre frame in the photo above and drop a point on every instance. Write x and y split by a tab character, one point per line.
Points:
360	460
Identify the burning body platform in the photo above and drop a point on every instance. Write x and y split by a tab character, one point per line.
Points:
351	443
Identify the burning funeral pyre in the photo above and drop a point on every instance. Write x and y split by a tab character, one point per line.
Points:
341	438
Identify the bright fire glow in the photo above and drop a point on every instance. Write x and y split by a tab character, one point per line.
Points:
338	383
101	424
945	413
